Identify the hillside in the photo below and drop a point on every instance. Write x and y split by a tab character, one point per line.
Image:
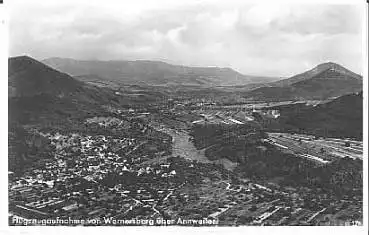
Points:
28	77
342	117
25	148
322	82
341	177
144	72
325	70
39	94
45	100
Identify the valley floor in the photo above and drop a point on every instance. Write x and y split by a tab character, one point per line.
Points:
138	177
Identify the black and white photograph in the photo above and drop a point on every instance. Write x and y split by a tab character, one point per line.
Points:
186	114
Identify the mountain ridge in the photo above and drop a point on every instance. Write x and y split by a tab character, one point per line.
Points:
154	72
324	81
28	77
314	72
39	94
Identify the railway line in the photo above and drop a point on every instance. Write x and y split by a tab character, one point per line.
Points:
322	150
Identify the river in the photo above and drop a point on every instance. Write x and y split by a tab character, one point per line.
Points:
183	147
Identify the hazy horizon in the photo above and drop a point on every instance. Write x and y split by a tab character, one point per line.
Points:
262	40
170	63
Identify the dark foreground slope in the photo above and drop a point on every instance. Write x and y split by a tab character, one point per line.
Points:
343	176
342	117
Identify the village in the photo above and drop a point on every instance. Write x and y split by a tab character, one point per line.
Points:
107	176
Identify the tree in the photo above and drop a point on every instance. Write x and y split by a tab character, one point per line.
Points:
253	208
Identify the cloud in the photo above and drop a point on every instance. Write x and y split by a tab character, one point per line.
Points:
275	40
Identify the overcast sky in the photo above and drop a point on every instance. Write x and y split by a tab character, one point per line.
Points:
273	40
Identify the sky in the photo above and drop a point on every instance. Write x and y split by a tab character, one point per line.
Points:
256	39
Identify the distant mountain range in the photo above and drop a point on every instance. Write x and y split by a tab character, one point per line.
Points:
31	78
324	81
145	72
40	95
